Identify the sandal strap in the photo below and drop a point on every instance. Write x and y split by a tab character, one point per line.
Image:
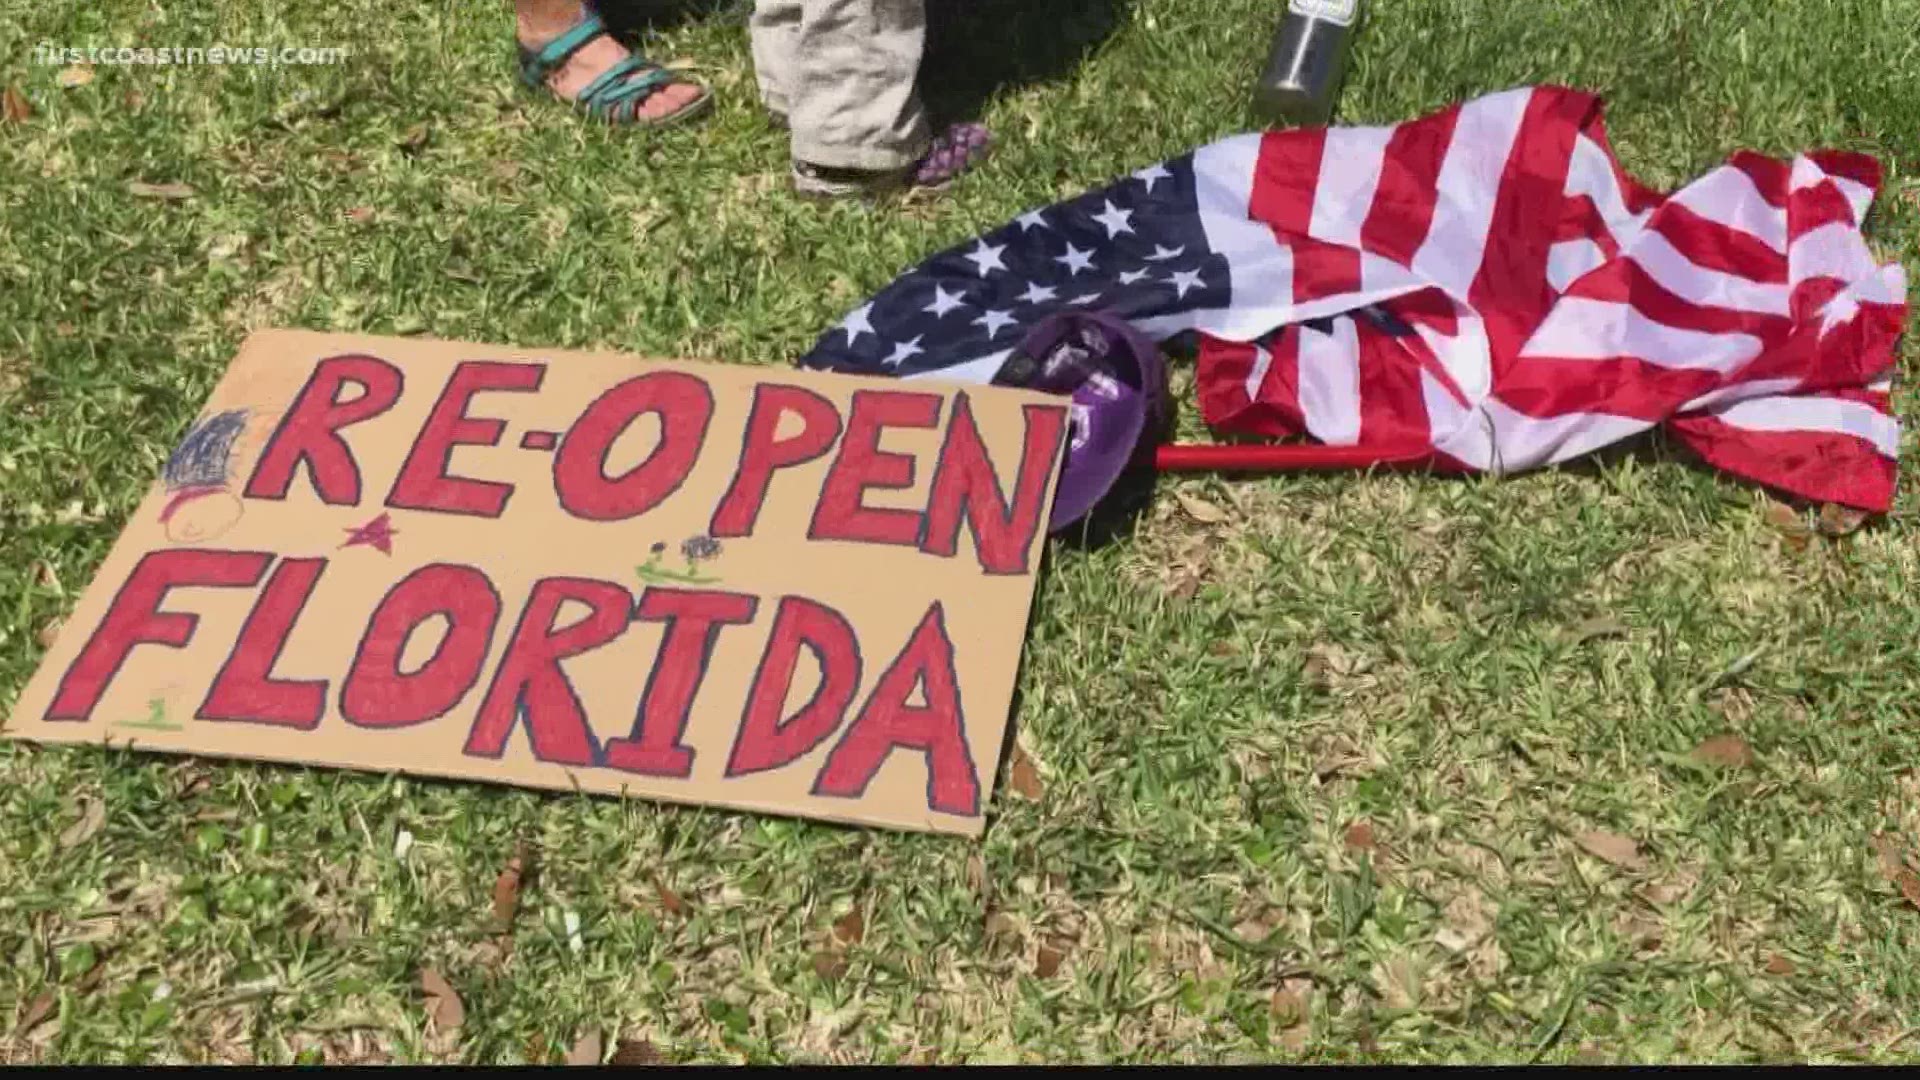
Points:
551	57
633	77
632	92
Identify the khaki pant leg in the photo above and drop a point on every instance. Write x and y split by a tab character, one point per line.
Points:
775	30
855	103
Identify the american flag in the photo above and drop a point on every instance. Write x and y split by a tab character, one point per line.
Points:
1484	286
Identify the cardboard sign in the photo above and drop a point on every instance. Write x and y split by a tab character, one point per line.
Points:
760	588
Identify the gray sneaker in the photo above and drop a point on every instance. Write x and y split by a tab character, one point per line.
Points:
819	182
954	151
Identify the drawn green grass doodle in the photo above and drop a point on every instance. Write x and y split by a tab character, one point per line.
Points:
156	719
695	550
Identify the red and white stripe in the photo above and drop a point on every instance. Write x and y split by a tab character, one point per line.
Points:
1504	295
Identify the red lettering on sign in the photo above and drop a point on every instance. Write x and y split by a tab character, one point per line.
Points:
966	488
424	483
694	618
309	434
245	690
685	407
530	684
862	466
134	618
762	452
377	694
764	740
887	723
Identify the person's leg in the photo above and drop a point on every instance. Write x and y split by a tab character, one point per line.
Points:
776	53
853	97
540	22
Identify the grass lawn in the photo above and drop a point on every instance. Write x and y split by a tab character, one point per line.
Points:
1390	767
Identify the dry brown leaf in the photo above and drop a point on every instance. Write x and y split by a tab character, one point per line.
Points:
1646	935
92	978
1360	836
1734	704
444	1008
1400	979
670	901
1288	1007
1780	965
1892	859
1909	884
508	171
1002	925
174	190
1252	931
1023	777
829	964
976	873
1612	847
506	888
848	929
586	1051
1660	894
1837	520
360	215
1369	1046
13	106
1314	671
1787	521
493	953
1731	751
93	815
1602	627
37	1012
1046	961
50	633
824	1030
635	1052
1199	509
74	77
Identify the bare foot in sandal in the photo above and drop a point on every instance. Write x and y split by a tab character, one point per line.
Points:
578	72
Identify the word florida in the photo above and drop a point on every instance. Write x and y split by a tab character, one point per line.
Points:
348	390
914	703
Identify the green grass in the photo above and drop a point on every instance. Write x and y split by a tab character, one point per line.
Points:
1212	707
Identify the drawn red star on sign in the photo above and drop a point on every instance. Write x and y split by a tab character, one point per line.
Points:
378	533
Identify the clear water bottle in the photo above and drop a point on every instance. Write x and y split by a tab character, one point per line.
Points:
1309	59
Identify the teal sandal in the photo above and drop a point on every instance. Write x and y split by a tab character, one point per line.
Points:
617	93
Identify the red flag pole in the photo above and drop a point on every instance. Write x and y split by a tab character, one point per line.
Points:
1297	457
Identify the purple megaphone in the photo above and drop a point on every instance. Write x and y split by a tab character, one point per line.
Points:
1117	380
